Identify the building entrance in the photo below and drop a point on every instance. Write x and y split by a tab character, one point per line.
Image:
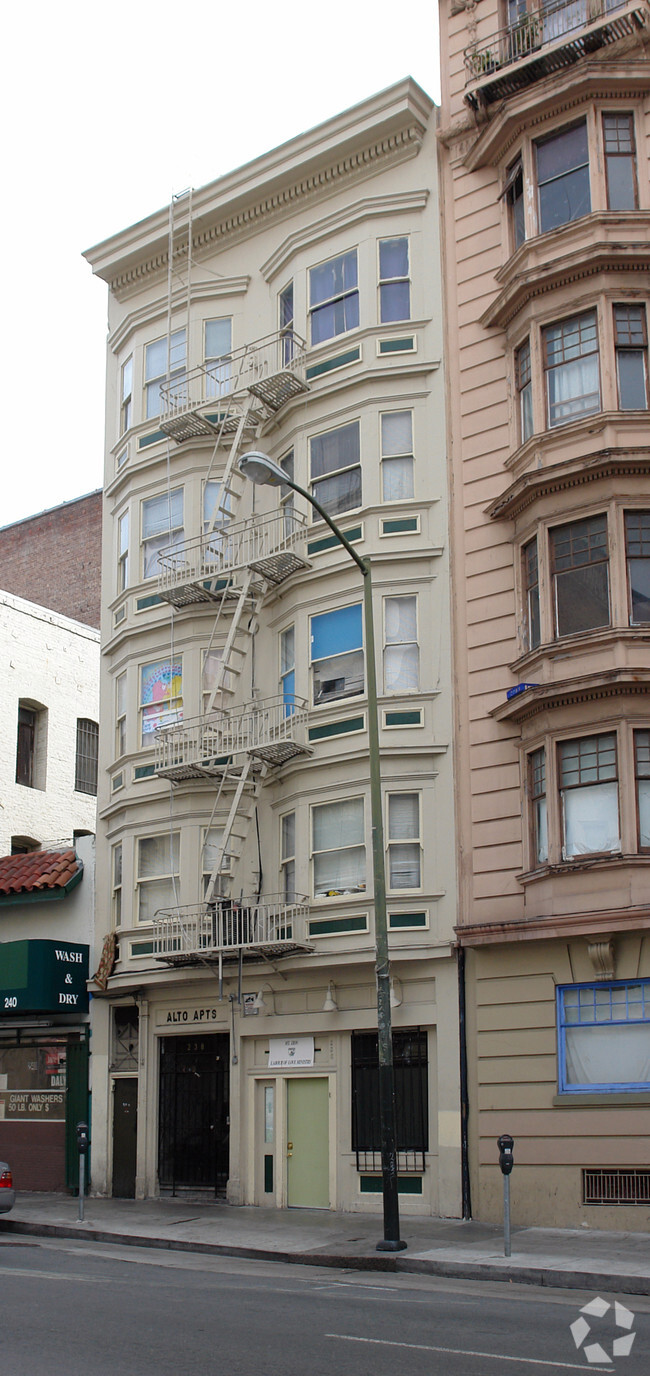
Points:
194	1114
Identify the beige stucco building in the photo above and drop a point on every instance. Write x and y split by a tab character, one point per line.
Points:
546	207
293	306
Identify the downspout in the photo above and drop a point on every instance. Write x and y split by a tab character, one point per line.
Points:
464	1093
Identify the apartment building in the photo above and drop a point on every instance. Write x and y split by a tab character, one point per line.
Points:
291	307
546	207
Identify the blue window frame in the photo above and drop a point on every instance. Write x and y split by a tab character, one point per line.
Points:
604	1036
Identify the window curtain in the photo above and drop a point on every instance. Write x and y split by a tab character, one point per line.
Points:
613	1055
340	857
573	389
591	819
401	653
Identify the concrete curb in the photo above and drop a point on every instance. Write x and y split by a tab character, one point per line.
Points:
546	1276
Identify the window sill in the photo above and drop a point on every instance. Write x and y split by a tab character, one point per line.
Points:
586	862
602	1099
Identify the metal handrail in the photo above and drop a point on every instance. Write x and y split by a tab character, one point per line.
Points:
230	925
234	373
224	734
535	30
230	547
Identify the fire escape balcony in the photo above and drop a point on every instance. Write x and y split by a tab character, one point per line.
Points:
549	37
206	569
209	400
229	930
270	731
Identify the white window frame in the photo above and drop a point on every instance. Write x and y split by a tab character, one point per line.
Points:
123	551
317	483
339	849
174	369
126	395
170	876
337	655
288	858
395	844
218	367
116	884
404	459
607	791
167	536
394	644
286	319
120	715
344	295
172	712
212	836
392	281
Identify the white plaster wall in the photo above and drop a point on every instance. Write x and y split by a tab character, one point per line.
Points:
58	919
54	661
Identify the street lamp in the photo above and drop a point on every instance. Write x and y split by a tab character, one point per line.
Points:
261	469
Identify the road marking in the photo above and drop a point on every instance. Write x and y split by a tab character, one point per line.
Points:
52	1275
465	1352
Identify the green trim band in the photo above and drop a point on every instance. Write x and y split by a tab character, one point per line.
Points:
152	438
331	541
336	728
142	948
153	600
403	719
397	920
397	346
407	525
144	771
332	925
329	364
117	781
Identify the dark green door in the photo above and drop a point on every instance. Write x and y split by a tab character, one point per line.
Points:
125	1134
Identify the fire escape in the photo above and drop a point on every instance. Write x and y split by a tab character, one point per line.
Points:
236	565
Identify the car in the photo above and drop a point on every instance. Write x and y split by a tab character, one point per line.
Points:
7	1191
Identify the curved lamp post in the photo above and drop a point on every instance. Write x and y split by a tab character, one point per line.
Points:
259	468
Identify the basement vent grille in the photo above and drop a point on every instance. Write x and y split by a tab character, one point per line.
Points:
616	1187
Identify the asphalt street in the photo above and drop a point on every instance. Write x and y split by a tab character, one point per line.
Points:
87	1309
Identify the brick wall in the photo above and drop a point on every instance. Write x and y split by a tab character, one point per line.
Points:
54	559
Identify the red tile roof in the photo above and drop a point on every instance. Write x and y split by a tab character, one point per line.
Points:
39	869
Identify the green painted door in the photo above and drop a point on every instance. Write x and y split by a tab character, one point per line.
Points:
308	1144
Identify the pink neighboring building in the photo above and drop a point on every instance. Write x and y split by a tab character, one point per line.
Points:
546	208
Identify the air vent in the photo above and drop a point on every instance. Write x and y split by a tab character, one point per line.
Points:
616	1187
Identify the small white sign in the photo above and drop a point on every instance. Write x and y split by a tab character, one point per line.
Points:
286	1053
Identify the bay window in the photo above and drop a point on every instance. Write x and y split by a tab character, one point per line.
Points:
158	874
338	848
162	527
285	305
288	669
524	385
572	369
288	857
336	468
120	715
637	550
126	398
404	846
337	654
394	283
580	565
604	1036
588	784
531	588
537	789
163	365
642	774
631	343
212	839
161	696
401	650
123	552
620	161
514	195
562	162
334	297
396	455
218	366
116	887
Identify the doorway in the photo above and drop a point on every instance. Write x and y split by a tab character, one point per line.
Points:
308	1143
125	1133
194	1113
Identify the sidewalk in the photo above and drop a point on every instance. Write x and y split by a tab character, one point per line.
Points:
568	1258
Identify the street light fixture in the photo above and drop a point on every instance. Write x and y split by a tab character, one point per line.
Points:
259	468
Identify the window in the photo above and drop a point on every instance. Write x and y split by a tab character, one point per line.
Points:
218	343
334	297
563	177
24	845
396	455
158	874
161	696
604	1036
212	840
285	305
31	744
157	370
404	849
401	650
394	284
117	884
514	194
338	848
631	340
642	773
336	468
288	857
531	584
537	787
120	715
524	384
85	772
162	526
210	675
123	552
337	654
580	575
620	162
637	549
288	669
571	364
287	494
589	795
126	405
410	1074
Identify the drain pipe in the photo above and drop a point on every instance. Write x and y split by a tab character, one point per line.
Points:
464	1093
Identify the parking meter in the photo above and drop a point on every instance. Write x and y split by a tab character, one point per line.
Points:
83	1143
506	1145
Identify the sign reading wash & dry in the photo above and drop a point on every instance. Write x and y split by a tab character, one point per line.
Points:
287	1053
43	977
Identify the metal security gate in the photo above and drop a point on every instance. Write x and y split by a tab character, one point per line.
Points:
194	1114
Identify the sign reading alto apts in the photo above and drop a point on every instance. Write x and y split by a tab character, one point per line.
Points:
43	977
290	1053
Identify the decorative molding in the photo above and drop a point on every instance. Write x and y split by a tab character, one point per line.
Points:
542	697
560	477
398	203
157	310
601	955
553	928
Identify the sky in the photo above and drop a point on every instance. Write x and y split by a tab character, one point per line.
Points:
108	110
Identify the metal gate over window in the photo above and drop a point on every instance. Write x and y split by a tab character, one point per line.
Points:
194	1113
411	1100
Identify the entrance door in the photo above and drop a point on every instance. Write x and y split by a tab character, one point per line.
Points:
194	1123
308	1144
125	1132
